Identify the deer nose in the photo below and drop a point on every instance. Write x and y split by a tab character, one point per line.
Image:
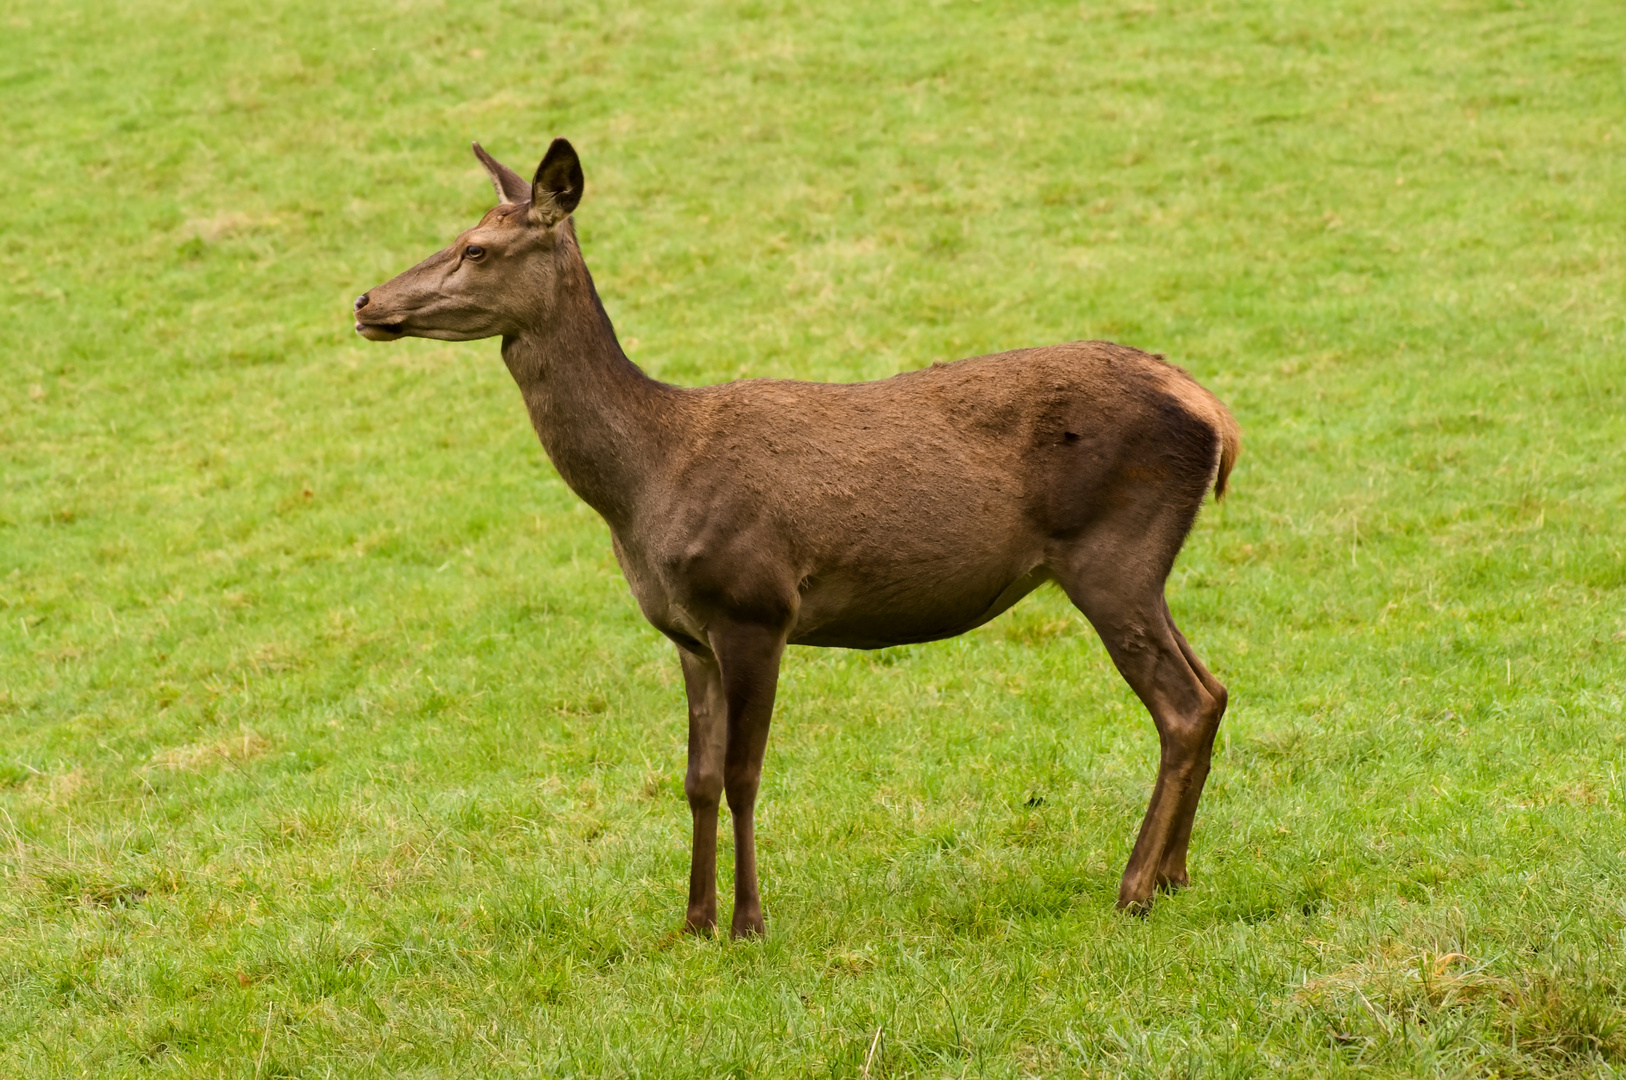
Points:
361	301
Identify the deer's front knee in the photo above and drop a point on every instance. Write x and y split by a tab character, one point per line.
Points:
704	787
742	792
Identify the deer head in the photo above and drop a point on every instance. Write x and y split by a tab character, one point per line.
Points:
497	278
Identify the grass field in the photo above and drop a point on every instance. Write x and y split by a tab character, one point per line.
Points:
332	744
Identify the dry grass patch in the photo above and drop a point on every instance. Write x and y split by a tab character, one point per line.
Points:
1569	1012
194	757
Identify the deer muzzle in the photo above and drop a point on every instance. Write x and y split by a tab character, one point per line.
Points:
375	331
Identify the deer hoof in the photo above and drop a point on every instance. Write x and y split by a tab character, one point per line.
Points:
1136	901
748	928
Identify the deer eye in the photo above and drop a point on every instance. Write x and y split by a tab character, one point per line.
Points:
473	251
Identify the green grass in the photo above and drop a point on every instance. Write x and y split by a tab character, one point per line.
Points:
331	743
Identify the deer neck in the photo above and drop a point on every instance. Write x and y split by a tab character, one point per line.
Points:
601	420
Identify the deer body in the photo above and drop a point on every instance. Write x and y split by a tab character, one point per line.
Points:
762	513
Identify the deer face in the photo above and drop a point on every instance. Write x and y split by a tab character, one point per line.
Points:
496	278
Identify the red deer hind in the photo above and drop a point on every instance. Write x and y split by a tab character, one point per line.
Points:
765	513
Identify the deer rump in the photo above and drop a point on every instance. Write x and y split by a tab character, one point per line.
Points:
760	513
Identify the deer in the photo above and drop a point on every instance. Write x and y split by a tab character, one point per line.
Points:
762	513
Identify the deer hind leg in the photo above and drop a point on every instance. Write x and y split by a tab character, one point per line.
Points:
1111	582
749	658
703	783
1171	872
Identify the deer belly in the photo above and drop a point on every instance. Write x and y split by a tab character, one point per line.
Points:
867	611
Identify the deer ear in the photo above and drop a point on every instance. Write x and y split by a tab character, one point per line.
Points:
511	186
558	185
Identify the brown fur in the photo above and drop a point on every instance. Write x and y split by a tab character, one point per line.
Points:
762	513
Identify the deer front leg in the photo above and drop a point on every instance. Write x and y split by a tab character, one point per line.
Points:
749	659
703	783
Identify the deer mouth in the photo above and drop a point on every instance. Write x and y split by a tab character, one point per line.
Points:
380	331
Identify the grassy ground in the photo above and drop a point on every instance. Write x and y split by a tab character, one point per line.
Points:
331	743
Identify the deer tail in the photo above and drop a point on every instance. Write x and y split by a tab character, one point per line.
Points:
1230	447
